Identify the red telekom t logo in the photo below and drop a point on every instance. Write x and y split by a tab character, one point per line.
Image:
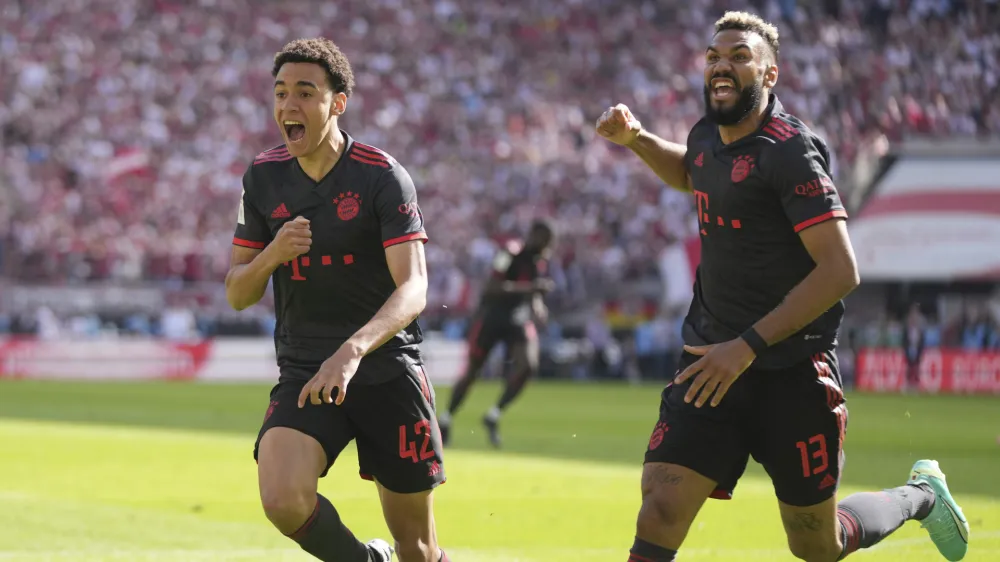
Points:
304	261
702	199
296	276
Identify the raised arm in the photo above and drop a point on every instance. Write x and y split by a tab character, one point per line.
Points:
255	255
665	158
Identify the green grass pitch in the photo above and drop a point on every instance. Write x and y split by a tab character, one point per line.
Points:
163	472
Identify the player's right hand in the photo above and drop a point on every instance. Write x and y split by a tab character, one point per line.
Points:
618	125
293	240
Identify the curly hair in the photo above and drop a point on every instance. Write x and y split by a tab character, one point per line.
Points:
745	21
323	52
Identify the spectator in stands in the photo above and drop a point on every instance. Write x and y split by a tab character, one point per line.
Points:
975	328
913	345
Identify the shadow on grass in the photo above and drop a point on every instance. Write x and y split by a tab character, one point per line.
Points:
589	422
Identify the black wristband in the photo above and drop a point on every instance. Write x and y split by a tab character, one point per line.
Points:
753	339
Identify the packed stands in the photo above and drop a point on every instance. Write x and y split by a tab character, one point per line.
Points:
125	125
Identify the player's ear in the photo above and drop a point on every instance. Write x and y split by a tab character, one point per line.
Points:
339	105
770	75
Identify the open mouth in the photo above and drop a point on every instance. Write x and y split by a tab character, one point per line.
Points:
294	130
723	88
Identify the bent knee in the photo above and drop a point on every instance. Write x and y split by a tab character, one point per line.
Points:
658	516
287	508
814	549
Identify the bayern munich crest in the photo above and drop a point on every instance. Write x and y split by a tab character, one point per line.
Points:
657	437
348	205
742	166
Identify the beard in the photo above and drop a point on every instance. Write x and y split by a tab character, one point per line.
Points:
748	100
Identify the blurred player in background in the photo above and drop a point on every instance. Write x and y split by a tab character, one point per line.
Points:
776	262
512	301
335	224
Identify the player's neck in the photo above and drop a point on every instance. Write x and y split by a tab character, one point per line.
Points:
749	124
318	164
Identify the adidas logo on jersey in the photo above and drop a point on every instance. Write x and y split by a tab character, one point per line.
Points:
281	212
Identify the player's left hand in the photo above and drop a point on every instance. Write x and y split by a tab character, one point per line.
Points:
335	372
717	370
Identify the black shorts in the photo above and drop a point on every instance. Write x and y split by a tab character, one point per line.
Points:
393	424
792	421
486	333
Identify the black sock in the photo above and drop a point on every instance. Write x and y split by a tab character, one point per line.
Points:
512	387
869	517
643	551
324	536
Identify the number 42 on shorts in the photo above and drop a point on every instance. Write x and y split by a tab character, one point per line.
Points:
408	449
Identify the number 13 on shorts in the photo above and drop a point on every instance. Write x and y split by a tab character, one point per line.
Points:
815	458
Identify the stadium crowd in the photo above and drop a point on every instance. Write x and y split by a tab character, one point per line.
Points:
126	125
973	326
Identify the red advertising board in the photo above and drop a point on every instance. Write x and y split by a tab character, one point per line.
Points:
112	359
228	359
948	371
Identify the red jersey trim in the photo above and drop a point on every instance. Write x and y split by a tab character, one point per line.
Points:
249	243
278	149
407	238
276	154
269	158
370	151
357	156
780	130
835	214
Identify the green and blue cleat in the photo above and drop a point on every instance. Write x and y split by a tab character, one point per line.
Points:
946	523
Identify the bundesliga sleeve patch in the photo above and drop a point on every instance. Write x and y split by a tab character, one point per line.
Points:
240	217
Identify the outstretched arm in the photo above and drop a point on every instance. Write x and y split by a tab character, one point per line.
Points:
665	158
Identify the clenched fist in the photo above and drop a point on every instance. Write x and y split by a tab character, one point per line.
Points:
293	240
618	125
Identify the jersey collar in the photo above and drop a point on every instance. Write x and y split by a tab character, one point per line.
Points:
774	107
323	185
